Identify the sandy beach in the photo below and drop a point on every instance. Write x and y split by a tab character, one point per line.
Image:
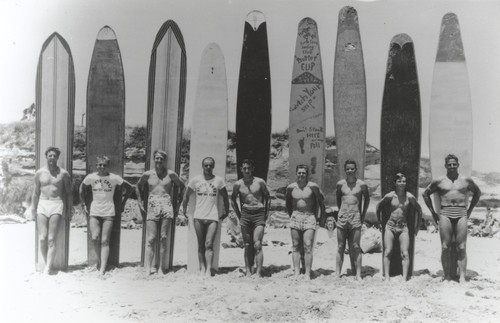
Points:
125	295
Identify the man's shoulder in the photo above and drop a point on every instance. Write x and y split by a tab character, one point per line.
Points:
312	184
292	185
360	182
341	182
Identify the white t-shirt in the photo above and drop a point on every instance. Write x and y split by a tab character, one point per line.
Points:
207	194
103	189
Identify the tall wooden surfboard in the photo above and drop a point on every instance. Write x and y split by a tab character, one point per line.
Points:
450	129
106	123
307	104
208	138
349	93
55	109
400	134
253	106
166	99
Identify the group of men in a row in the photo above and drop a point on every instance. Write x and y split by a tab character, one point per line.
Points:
250	199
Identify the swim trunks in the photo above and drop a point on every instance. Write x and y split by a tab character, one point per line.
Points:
453	212
349	220
396	227
302	221
50	207
159	206
250	219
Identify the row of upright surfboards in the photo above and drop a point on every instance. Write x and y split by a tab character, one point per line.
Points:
401	118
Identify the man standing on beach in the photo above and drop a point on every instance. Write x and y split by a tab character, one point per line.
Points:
156	186
304	204
206	189
52	199
400	205
353	199
453	195
97	193
254	201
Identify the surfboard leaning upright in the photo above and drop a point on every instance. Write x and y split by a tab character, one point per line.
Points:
450	128
166	100
106	124
400	135
349	93
253	106
55	109
208	139
307	104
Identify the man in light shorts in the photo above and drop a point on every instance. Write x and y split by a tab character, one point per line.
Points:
352	201
304	204
453	192
103	185
207	188
52	199
156	186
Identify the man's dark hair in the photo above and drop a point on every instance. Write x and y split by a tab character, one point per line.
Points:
211	158
248	161
54	149
350	161
399	176
302	166
450	156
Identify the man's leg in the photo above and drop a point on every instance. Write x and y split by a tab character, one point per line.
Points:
95	233
308	251
388	244
166	224
296	247
209	246
355	250
461	243
149	253
247	234
446	234
341	239
201	233
258	235
404	245
54	221
107	229
42	225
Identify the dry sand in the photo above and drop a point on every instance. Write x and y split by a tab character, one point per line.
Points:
126	295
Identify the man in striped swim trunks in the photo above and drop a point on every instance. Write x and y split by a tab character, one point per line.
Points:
453	193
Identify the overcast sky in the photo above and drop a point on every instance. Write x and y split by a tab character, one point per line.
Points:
26	24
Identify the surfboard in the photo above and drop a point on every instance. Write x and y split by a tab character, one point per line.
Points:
306	130
253	104
106	124
349	93
166	99
208	139
450	127
55	109
400	135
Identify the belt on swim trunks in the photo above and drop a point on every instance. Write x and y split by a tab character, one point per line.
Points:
453	211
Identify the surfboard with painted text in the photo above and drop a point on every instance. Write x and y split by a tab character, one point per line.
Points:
55	109
253	106
208	139
349	93
307	105
166	101
106	125
450	128
400	136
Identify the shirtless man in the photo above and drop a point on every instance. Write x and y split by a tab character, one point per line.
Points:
156	186
352	200
101	211
207	188
52	199
254	202
401	206
452	191
304	204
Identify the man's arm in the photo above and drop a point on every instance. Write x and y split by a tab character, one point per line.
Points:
386	199
83	196
289	200
414	203
185	201
225	199
476	195
68	195
128	190
432	188
320	199
36	195
267	198
139	191
177	181
234	199
339	195
366	201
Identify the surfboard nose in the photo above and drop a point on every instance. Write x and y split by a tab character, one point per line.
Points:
255	19
106	33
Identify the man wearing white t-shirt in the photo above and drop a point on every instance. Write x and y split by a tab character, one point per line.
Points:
207	188
102	208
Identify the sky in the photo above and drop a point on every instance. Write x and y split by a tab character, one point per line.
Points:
26	24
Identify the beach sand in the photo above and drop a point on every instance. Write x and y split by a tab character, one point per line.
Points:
125	294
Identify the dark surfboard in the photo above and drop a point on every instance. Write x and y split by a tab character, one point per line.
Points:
253	107
106	123
55	109
166	99
400	134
